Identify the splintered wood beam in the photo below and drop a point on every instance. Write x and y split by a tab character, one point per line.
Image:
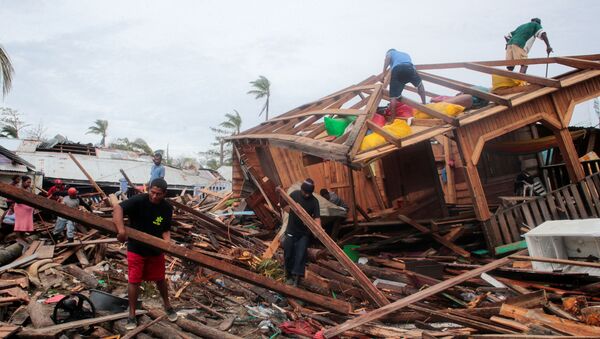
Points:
129	181
532	61
89	177
514	75
322	149
413	298
443	241
433	113
578	63
221	266
465	88
385	134
374	294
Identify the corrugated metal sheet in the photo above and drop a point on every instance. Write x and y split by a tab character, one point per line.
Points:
106	171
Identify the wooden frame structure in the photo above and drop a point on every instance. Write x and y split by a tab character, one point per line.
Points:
549	101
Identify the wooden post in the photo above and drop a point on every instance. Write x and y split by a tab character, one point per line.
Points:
450	185
91	180
353	195
482	210
374	294
217	265
129	181
569	154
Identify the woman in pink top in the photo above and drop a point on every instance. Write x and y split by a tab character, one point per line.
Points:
23	213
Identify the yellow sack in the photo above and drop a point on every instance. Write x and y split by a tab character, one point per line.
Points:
399	128
500	82
446	108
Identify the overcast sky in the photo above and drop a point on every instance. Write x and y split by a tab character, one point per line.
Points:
166	71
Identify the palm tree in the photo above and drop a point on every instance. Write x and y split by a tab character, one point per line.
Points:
6	71
100	127
262	89
9	132
233	122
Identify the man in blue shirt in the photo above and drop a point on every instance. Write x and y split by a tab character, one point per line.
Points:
157	170
403	72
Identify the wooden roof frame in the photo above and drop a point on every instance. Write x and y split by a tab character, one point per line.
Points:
303	129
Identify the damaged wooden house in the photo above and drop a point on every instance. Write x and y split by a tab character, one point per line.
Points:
440	163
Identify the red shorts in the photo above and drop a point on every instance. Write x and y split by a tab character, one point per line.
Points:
145	268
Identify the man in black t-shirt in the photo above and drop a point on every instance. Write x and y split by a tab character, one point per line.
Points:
297	235
148	213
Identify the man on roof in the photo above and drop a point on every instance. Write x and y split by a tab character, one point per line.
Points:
519	41
403	72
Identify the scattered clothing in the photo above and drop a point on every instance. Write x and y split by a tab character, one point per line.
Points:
23	218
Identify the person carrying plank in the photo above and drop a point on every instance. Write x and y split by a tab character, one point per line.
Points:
297	235
519	42
152	214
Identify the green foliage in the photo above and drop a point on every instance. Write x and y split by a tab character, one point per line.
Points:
262	89
100	127
138	145
11	122
6	72
221	153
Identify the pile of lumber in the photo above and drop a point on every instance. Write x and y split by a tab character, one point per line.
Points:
226	281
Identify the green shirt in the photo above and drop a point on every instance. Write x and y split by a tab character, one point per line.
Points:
525	35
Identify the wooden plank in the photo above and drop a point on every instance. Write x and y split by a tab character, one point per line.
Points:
542	203
413	298
374	294
527	214
554	322
557	261
385	134
56	329
462	320
335	111
508	248
6	331
18	262
535	210
552	205
494	230
456	249
578	63
514	75
570	203
594	194
129	181
45	252
465	88
131	334
433	113
578	202
560	200
221	266
506	236
89	177
87	242
513	225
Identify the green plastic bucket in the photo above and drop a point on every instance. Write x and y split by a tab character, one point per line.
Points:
351	252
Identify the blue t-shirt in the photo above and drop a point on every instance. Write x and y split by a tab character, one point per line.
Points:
156	172
123	185
397	58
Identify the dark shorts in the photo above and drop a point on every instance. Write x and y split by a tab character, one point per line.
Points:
145	268
401	75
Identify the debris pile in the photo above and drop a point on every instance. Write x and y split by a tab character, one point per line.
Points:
443	291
